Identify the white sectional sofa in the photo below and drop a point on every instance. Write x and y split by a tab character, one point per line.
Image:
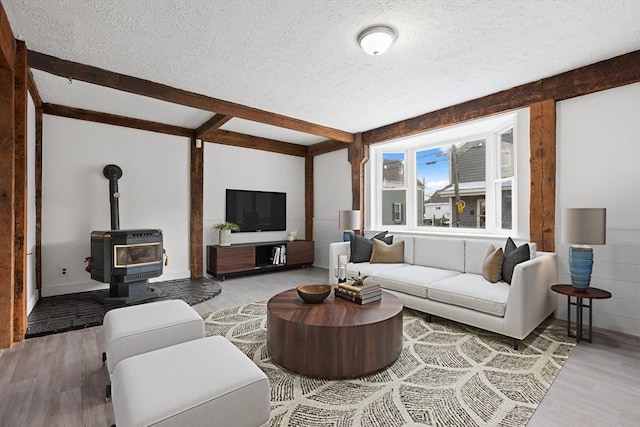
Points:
442	276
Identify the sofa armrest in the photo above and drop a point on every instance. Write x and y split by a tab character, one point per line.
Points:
531	299
335	249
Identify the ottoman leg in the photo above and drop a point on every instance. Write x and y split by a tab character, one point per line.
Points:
107	393
104	358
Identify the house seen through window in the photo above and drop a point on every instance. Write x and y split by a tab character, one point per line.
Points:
394	191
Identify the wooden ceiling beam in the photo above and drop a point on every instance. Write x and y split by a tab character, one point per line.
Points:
112	119
213	123
618	71
255	142
98	76
217	136
328	146
506	100
603	75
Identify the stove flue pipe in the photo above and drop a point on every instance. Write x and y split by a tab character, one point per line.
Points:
113	173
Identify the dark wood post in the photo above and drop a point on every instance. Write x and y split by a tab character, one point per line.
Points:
358	157
20	196
7	186
543	174
197	213
308	197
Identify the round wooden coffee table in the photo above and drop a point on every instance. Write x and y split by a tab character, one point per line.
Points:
336	338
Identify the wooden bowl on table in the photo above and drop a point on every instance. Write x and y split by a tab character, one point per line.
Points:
314	294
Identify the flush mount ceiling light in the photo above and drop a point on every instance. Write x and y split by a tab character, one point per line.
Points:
375	40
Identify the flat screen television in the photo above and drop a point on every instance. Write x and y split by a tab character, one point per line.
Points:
257	210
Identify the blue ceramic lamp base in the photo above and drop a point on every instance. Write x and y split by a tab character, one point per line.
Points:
580	266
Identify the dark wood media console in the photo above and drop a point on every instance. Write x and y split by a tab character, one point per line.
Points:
256	257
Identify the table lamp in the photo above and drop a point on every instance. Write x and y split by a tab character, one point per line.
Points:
348	221
582	227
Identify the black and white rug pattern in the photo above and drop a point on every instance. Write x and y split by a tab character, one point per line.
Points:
448	374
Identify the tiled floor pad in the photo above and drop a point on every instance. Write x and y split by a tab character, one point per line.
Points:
82	310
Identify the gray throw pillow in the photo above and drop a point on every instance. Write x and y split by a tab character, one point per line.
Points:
361	247
513	256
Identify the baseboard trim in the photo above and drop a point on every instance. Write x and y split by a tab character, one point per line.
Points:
32	302
72	288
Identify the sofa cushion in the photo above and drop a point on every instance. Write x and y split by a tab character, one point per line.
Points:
442	253
408	247
513	256
383	253
471	291
361	247
411	279
492	268
475	252
368	269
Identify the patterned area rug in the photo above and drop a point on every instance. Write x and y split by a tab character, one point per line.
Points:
448	374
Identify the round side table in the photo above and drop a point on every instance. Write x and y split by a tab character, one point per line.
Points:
590	294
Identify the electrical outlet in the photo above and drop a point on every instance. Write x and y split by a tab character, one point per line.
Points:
64	271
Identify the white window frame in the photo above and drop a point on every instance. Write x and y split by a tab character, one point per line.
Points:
410	146
498	180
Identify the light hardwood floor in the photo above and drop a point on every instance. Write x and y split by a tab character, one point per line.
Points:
58	380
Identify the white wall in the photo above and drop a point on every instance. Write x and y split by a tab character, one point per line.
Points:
331	193
32	292
75	195
598	154
247	169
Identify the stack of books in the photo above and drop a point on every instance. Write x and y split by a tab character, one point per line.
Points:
361	295
279	255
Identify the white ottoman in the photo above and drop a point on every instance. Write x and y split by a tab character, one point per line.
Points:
129	331
203	382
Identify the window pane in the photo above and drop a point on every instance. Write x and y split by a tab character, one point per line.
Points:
420	205
482	215
454	180
433	175
507	213
393	170
468	189
506	154
393	205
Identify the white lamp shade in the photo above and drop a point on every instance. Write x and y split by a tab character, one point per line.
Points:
376	40
584	226
349	220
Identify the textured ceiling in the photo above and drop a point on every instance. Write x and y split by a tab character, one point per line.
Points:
300	58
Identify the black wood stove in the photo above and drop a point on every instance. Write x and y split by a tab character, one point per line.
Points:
126	259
